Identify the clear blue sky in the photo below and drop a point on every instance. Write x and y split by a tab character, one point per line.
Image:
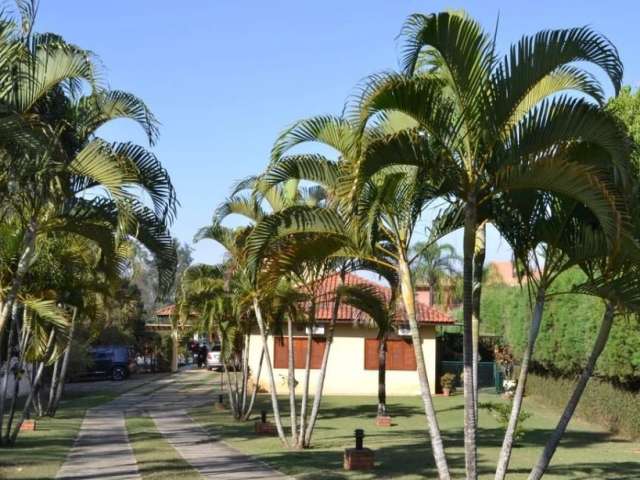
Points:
224	77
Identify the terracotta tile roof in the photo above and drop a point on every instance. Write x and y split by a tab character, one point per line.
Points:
166	311
325	292
346	313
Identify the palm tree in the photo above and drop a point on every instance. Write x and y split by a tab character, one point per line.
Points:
50	186
387	208
498	126
381	311
433	261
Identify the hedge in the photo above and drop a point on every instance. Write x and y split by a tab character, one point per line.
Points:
602	403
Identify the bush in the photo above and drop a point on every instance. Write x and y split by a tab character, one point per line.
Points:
448	381
502	412
602	402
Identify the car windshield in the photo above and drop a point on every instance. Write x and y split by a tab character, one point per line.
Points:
216	348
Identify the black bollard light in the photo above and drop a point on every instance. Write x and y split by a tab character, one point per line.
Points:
263	416
359	433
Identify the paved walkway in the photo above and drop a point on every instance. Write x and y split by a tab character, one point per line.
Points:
102	448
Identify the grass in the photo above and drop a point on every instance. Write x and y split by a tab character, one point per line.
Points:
402	451
156	458
39	454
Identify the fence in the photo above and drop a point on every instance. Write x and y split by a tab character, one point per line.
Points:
488	374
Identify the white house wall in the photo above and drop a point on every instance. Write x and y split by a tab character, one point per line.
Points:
346	374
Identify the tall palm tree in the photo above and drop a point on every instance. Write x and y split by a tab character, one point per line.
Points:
495	126
381	311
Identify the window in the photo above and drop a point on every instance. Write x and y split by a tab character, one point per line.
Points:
400	354
281	352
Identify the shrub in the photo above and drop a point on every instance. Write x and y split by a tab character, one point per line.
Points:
602	402
448	381
502	412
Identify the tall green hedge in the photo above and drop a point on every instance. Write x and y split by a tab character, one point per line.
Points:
569	327
601	402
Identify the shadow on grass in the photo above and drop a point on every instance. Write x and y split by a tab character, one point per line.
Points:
404	449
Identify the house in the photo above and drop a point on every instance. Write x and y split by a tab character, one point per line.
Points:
353	364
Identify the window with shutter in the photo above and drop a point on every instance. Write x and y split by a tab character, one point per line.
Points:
281	352
400	355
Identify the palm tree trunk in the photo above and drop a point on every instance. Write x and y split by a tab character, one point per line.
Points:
55	373
34	390
478	266
572	404
254	394
382	374
245	372
291	380
305	389
65	365
5	379
470	453
233	401
28	251
408	297
174	350
323	370
272	380
507	443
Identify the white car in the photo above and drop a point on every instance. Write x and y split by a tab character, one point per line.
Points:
214	358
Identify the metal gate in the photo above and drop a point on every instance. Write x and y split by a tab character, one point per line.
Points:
486	372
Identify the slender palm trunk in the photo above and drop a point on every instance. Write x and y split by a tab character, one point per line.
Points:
291	380
7	370
256	387
323	370
478	266
467	340
34	391
55	372
65	366
232	393
516	406
272	381
305	389
28	251
382	374
174	350
552	444
245	373
408	298
18	369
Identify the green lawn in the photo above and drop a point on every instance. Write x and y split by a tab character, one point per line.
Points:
39	454
156	458
402	451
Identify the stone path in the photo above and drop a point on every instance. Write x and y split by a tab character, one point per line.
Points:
210	457
102	448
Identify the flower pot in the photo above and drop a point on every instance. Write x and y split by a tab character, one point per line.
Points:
446	392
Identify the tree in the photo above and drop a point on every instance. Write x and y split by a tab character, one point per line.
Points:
382	312
433	262
497	127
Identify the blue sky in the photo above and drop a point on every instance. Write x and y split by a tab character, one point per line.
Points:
224	77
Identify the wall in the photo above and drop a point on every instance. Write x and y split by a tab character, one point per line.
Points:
345	372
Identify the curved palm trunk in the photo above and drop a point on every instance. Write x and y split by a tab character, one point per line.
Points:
245	373
272	381
323	371
34	391
408	298
291	380
507	442
305	389
572	404
64	367
470	453
382	374
28	251
254	394
478	266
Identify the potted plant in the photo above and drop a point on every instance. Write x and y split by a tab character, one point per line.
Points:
447	381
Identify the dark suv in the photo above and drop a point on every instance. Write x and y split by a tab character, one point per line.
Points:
110	361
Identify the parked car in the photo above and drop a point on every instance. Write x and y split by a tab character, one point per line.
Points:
214	357
111	361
